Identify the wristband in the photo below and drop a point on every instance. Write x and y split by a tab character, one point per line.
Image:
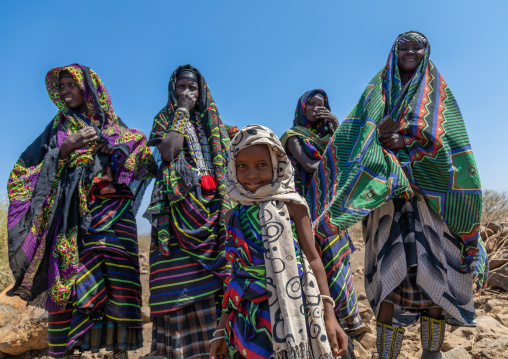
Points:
218	331
214	339
328	299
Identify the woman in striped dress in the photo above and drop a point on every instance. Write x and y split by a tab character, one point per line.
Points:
305	143
187	261
72	231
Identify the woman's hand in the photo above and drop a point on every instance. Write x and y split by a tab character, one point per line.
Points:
219	349
187	100
77	140
324	113
394	141
338	339
104	149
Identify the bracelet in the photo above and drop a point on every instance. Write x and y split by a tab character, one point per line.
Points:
329	299
184	110
218	331
214	339
180	121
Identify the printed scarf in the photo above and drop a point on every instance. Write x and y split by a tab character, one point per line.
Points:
358	174
313	139
48	212
283	283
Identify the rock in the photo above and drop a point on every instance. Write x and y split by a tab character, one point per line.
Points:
457	353
499	278
145	314
361	296
494	227
360	351
453	341
498	262
365	313
502	318
491	348
368	341
489	325
22	328
489	232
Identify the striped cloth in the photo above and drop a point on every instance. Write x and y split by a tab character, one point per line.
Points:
248	329
336	255
357	174
105	311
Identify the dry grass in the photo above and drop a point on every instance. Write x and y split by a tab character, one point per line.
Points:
495	206
5	271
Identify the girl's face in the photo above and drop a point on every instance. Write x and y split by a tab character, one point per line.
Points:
254	167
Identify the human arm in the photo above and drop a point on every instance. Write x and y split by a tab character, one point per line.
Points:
300	217
322	113
295	148
218	347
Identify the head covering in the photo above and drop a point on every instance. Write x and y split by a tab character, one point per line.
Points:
48	211
187	74
217	135
358	174
280	255
412	36
282	185
323	127
313	139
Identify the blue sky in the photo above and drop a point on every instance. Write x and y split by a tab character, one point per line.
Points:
257	56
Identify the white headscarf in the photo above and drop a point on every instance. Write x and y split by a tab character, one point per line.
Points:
286	290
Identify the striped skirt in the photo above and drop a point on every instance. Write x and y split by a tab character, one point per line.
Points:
105	308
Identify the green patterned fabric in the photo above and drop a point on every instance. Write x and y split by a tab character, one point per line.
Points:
358	174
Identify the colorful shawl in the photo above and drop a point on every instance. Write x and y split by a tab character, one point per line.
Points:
358	174
282	278
177	187
48	212
181	209
313	139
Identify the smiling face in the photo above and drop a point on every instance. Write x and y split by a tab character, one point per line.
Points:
311	105
70	93
254	167
410	55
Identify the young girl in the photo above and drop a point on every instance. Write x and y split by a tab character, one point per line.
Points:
277	303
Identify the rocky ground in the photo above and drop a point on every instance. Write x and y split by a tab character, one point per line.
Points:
23	330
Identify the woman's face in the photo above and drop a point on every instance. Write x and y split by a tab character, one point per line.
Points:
70	93
310	108
187	85
254	167
410	56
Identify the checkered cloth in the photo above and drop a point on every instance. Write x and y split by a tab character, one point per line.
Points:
408	294
185	332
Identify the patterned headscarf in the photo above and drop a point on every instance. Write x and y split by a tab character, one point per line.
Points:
412	36
285	300
216	133
358	174
313	139
48	212
323	127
